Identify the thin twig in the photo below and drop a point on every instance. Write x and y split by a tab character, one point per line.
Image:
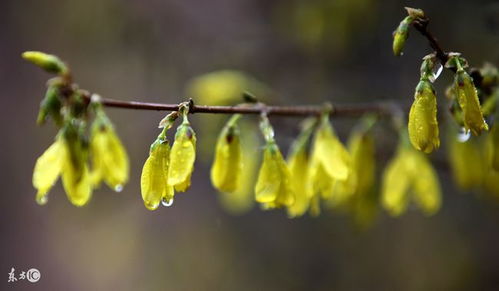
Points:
338	110
421	25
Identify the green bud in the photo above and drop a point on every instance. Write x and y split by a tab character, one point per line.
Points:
400	35
51	106
49	63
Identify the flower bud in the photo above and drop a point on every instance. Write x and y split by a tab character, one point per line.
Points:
49	63
400	35
51	106
423	125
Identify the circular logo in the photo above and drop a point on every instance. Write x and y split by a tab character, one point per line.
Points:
33	275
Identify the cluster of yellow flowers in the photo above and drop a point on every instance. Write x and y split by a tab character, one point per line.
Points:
69	155
319	170
167	170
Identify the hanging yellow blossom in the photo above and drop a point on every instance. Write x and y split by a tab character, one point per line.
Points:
273	186
466	162
363	203
154	174
75	173
243	198
48	168
467	98
227	165
423	125
330	164
298	163
409	176
109	158
182	156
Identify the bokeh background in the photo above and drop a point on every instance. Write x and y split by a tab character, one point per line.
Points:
305	52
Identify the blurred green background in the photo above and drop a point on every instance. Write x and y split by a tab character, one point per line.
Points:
306	52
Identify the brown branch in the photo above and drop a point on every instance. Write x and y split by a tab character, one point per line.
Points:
421	25
360	109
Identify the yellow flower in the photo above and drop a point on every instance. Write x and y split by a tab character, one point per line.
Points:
154	175
182	157
423	125
298	167
468	101
410	172
243	198
75	174
361	148
76	182
227	165
330	164
48	168
273	187
109	158
466	163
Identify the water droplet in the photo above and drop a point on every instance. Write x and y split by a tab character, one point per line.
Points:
167	202
437	70
42	200
464	135
118	188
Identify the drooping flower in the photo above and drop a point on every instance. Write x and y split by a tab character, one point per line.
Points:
463	89
75	174
153	180
466	160
423	125
182	156
243	198
109	158
227	165
273	186
410	177
298	164
48	168
330	165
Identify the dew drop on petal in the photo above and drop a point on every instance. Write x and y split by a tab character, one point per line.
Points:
118	188
167	202
463	135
